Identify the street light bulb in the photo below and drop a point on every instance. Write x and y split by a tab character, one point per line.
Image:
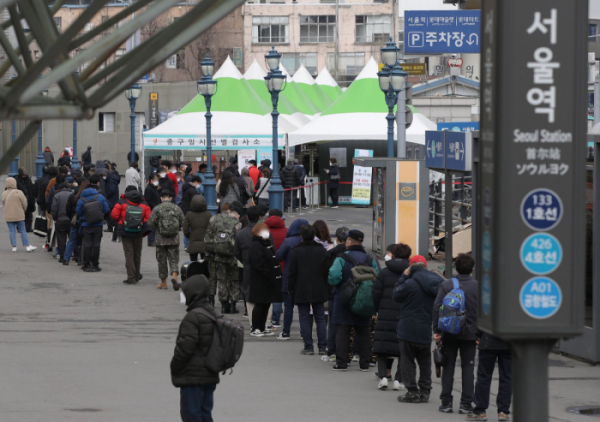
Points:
136	91
398	78
128	93
207	66
384	79
389	54
272	59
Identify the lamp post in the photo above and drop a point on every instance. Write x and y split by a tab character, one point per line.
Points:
275	84
39	160
391	81
75	161
14	166
207	87
132	94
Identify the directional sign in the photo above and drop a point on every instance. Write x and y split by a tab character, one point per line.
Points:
441	32
458	126
434	149
541	209
541	253
458	151
540	297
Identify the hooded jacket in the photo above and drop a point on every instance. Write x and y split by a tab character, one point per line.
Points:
416	292
48	156
334	175
119	211
152	196
25	185
189	192
388	310
265	273
14	202
60	204
88	194
278	229
195	224
86	157
111	188
283	253
194	338
132	177
306	283
290	176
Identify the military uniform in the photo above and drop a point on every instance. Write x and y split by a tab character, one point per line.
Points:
223	268
167	248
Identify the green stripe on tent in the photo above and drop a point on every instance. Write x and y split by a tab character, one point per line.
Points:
316	95
362	96
299	99
283	105
333	92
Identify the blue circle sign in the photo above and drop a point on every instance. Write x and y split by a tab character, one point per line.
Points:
541	253
541	209
486	294
540	297
486	254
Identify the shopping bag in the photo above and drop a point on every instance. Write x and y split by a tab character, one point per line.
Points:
40	226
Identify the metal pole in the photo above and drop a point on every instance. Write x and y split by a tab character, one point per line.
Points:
14	166
337	39
209	185
597	100
530	379
39	160
132	116
401	124
75	162
448	222
276	190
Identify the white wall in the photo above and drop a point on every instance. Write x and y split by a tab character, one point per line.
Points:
430	5
594	9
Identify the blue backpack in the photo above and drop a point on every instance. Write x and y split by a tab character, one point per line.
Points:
453	317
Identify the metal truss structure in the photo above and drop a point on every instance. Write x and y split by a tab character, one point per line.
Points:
21	98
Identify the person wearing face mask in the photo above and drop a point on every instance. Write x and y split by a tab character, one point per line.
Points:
334	181
386	345
168	170
152	198
265	279
189	190
180	184
164	180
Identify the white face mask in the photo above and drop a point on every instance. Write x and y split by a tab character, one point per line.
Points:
388	258
174	171
155	183
162	174
264	234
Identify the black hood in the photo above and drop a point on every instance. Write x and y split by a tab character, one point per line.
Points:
198	204
195	290
397	265
289	166
187	186
134	196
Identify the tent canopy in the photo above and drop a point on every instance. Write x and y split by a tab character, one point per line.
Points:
307	84
328	84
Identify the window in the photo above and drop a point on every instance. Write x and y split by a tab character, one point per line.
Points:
373	28
593	33
293	61
120	53
58	22
270	29
180	59
106	122
317	28
349	65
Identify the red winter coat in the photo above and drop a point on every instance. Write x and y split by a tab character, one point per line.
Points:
175	182
278	231
118	213
254	174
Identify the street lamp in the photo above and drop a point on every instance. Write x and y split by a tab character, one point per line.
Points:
207	87
392	80
39	160
14	165
275	84
75	162
132	94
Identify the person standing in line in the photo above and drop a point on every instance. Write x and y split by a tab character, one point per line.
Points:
416	291
334	181
25	185
112	181
65	159
152	197
41	183
262	187
302	172
48	156
92	231
180	184
189	373
278	233
189	191
241	250
15	206
195	226
167	220
164	181
73	247
202	172
308	289
265	279
465	342
253	172
132	215
172	170
386	345
492	349
61	219
249	184
290	178
132	176
344	318
86	157
322	235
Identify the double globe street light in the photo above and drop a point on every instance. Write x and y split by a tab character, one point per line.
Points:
392	80
207	87
132	94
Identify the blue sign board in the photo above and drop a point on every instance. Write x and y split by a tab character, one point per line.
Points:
486	254
434	149
541	209
458	151
458	126
541	253
442	32
540	297
486	294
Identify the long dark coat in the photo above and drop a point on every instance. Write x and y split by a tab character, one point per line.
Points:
265	273
306	283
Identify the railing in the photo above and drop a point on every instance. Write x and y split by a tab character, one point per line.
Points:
461	197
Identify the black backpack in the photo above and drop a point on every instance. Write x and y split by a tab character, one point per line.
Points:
92	210
227	343
134	218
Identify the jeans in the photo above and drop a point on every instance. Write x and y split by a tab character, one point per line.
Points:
384	363
286	199
342	344
331	331
276	313
15	226
288	314
71	244
186	241
197	403
306	327
151	237
409	352
467	349
485	370
335	196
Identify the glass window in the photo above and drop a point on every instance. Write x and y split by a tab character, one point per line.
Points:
270	29
593	33
373	28
314	29
349	66
293	61
58	22
106	122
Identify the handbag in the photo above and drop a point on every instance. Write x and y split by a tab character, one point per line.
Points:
74	220
261	190
40	226
440	358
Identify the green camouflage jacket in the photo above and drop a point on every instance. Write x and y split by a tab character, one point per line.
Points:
171	214
223	223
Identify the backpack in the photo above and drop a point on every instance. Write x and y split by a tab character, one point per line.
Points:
357	292
227	343
92	210
453	317
168	222
219	238
134	219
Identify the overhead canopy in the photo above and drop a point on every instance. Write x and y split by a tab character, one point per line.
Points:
307	84
297	97
328	84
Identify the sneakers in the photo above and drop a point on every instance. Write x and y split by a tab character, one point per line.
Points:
337	367
355	358
270	327
501	417
398	386
276	324
131	283
96	269
65	262
322	351
14	249
29	248
307	351
383	384
335	207
465	409
364	369
330	358
410	397
268	333
305	207
482	417
283	336
445	408
257	333
424	394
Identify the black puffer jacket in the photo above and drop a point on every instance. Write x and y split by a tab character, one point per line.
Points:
41	185
189	191
330	257
388	310
290	176
265	273
152	196
306	283
194	337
